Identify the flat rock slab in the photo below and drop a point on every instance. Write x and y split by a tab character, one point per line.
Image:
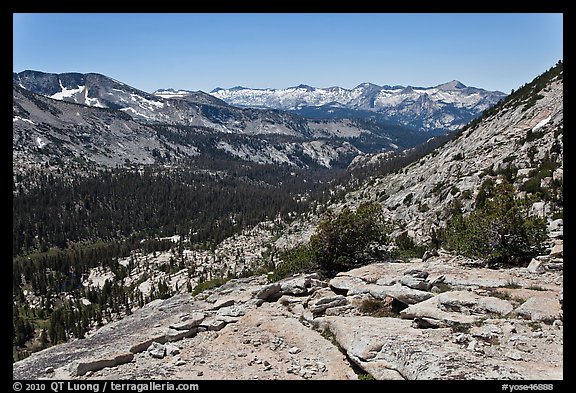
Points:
112	345
455	275
260	345
431	310
377	346
456	307
232	332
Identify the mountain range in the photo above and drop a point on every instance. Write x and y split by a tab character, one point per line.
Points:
436	109
181	125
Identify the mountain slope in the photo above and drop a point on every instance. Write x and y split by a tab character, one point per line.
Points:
196	109
444	107
48	130
45	129
520	139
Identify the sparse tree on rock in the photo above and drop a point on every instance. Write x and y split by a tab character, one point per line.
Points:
499	230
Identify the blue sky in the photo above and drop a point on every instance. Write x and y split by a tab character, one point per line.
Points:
204	51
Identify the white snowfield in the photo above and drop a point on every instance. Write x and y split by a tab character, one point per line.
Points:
64	93
170	93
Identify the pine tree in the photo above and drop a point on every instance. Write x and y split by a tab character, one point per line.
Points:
499	230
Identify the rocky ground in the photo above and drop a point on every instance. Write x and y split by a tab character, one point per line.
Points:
444	317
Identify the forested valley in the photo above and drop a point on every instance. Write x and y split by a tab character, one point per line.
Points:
66	223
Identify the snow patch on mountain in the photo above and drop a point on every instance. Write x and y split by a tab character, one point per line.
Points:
171	93
65	93
143	102
18	118
93	101
138	114
542	123
40	142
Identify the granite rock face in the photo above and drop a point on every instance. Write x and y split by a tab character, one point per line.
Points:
478	328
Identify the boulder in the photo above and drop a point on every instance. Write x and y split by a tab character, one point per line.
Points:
269	292
294	350
415	282
170	335
236	310
540	309
323	300
296	286
397	291
558	175
458	300
451	307
289	301
417	273
81	367
156	350
214	324
539	209
429	313
429	254
347	309
536	266
557	250
171	349
555	265
495	305
514	354
438	280
344	284
387	281
218	304
556	224
486	331
524	172
189	321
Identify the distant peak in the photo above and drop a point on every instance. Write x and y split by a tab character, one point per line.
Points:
452	85
169	90
335	89
303	86
367	85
